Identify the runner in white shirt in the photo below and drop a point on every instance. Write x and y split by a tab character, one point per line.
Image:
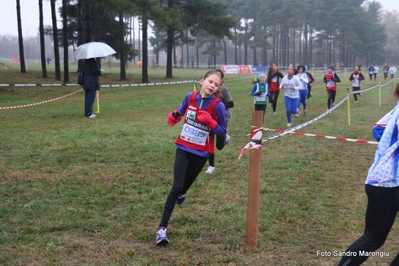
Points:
291	84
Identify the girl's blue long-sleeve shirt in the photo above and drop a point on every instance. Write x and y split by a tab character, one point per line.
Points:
202	104
385	169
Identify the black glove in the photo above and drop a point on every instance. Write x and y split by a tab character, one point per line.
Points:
176	114
258	93
220	142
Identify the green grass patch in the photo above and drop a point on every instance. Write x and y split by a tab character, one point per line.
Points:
77	191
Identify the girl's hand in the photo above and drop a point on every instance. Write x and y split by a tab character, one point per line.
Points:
205	118
174	118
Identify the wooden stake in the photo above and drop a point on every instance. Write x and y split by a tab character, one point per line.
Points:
251	240
349	107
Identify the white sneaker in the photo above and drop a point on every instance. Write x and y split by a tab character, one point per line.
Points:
210	170
162	237
227	140
91	116
289	125
304	112
297	112
274	113
355	101
328	111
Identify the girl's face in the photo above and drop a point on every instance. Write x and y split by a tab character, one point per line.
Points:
356	69
300	70
290	71
274	67
262	79
329	70
210	84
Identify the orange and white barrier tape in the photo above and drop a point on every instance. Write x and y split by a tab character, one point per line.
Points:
34	104
323	136
253	145
255	135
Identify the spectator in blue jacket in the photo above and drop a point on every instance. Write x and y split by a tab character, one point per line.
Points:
91	84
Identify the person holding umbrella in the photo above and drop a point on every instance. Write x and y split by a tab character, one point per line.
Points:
91	71
91	84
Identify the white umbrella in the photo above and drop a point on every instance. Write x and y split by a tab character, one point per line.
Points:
93	50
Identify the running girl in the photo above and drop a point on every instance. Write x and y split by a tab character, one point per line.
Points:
303	94
356	78
205	116
331	79
273	79
292	85
260	90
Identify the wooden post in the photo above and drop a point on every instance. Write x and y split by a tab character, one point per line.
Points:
349	107
98	102
251	239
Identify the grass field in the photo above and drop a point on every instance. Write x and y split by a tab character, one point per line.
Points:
77	191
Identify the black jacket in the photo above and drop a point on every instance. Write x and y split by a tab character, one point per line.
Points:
91	71
270	76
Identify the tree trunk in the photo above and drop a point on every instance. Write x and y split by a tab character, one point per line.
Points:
169	51
139	42
182	56
239	55
274	44
188	56
174	57
293	47
300	58
235	48
79	22
20	39
55	34
65	40
144	75
305	52
197	54
246	44
122	47
264	56
255	58
225	51
311	47
42	45
214	55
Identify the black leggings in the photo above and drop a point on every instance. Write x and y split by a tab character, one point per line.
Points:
331	98
187	168
261	107
382	207
309	89
212	160
273	99
355	94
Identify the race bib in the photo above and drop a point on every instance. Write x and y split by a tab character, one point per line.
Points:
330	84
194	132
